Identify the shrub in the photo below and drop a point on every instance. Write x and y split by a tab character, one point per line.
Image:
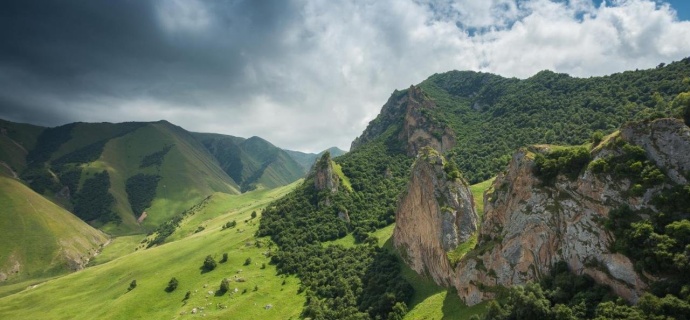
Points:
132	285
172	285
224	286
209	264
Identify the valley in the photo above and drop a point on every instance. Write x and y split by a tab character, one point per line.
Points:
470	195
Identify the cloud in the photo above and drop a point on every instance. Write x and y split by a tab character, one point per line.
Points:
302	74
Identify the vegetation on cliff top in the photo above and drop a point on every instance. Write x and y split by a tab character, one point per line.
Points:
492	116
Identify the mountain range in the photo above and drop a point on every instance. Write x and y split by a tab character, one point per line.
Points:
470	194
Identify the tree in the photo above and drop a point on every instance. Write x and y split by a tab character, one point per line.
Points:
224	286
225	258
253	214
209	264
132	285
172	285
248	261
683	101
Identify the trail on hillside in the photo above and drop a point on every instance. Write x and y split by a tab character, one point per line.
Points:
14	174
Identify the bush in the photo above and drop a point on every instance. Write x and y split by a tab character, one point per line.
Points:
569	161
253	214
248	261
172	285
224	286
209	264
229	225
225	258
132	285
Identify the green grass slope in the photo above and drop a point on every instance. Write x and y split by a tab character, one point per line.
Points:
16	139
101	292
188	173
38	237
253	162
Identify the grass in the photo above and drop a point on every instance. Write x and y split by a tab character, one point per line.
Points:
188	173
339	171
478	194
100	292
11	154
430	301
38	236
118	247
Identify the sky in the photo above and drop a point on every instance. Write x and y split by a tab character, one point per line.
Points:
305	75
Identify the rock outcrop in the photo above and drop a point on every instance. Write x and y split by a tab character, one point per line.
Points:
435	215
419	129
528	226
665	141
325	177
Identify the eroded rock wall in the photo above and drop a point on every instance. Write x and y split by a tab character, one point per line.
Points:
435	214
528	226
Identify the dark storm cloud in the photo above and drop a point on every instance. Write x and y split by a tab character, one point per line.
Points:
122	49
303	74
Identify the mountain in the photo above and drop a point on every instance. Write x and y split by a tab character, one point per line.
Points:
252	163
306	160
110	174
474	122
15	141
40	239
490	116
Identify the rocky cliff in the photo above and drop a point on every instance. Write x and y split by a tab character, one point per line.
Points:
531	221
325	177
419	129
529	225
434	216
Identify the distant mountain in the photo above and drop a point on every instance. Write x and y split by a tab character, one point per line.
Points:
109	174
306	160
15	141
252	163
39	238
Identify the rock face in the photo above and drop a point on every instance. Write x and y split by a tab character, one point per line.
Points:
325	177
418	130
528	226
434	216
665	141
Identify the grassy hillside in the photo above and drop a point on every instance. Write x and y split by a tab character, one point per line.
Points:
254	162
38	237
188	173
101	292
16	139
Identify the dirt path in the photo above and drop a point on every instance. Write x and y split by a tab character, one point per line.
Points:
14	174
4	133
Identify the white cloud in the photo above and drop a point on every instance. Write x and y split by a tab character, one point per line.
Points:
309	74
346	57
